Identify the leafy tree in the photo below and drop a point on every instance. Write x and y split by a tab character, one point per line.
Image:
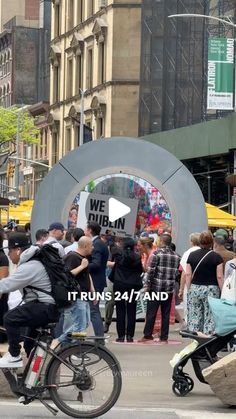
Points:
8	128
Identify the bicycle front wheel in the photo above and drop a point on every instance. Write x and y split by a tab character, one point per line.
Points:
89	385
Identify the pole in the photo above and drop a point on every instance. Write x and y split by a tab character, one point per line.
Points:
81	127
29	161
17	166
7	186
219	19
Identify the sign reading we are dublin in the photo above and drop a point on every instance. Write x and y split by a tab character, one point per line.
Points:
220	73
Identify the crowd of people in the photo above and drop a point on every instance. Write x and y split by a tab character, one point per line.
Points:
124	267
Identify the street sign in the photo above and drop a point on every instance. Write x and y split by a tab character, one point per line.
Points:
220	88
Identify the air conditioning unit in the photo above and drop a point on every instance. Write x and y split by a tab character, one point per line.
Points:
102	3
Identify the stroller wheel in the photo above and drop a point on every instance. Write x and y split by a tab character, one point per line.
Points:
181	387
190	382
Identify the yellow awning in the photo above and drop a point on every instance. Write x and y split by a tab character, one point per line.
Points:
22	213
218	218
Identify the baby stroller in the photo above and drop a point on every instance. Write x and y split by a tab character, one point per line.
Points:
202	353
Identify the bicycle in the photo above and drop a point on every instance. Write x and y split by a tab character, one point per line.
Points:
84	392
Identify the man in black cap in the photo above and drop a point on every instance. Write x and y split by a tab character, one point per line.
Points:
38	309
56	233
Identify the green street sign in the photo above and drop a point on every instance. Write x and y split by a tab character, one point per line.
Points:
220	89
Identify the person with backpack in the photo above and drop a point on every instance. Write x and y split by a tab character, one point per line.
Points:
77	317
39	307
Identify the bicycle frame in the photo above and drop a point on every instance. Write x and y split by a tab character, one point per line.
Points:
17	381
29	387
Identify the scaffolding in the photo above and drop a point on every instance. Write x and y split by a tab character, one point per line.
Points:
173	84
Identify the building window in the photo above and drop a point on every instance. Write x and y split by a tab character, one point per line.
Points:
4	97
40	146
28	187
100	127
68	140
4	70
44	150
88	132
70	15
8	62
57	20
90	8
55	148
79	73
8	97
56	84
80	11
69	78
101	63
28	155
1	66
89	68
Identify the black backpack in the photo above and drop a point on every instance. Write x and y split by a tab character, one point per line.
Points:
62	280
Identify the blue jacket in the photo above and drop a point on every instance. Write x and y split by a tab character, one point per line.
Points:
98	263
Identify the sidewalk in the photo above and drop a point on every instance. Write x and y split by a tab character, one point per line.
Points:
147	377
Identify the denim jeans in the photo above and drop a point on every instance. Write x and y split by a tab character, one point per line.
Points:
96	319
76	319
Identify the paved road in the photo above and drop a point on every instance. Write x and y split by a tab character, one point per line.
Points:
146	391
12	410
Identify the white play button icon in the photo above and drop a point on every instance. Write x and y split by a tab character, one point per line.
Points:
117	209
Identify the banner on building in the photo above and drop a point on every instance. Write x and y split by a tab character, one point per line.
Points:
94	207
220	87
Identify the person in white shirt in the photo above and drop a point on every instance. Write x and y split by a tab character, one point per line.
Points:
194	245
77	234
55	234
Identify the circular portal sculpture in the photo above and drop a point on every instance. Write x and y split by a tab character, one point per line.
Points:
122	155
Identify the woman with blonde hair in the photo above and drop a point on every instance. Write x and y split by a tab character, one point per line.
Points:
146	247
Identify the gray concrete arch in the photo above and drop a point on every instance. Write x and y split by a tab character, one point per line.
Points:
122	155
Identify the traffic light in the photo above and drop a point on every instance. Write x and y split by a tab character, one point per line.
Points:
10	170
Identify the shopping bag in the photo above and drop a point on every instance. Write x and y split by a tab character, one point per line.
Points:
224	315
229	287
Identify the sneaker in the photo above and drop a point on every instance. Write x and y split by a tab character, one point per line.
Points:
9	361
129	339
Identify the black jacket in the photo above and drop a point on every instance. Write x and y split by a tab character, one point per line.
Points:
127	271
98	264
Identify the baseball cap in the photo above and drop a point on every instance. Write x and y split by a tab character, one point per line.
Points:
56	226
221	232
18	240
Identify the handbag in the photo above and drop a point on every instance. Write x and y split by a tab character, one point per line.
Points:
199	263
224	315
229	287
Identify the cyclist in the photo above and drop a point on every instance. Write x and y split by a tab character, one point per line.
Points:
37	308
